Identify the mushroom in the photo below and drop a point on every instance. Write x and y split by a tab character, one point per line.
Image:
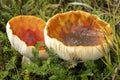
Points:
78	35
24	32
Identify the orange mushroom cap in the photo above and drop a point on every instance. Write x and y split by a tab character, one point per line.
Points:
24	32
78	35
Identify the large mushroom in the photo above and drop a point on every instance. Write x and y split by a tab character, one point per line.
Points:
24	32
78	35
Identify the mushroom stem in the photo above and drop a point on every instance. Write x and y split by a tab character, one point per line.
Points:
25	60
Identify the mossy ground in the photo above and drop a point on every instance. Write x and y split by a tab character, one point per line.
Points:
54	68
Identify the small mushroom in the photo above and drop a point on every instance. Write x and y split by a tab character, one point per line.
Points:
78	35
24	32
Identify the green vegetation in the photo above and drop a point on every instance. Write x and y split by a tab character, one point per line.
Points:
54	68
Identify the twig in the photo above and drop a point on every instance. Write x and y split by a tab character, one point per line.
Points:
117	7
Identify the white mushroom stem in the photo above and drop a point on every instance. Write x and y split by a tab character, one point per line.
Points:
25	60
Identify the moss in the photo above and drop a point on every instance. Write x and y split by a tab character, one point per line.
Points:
55	68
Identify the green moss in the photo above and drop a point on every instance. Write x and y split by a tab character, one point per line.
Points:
55	68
